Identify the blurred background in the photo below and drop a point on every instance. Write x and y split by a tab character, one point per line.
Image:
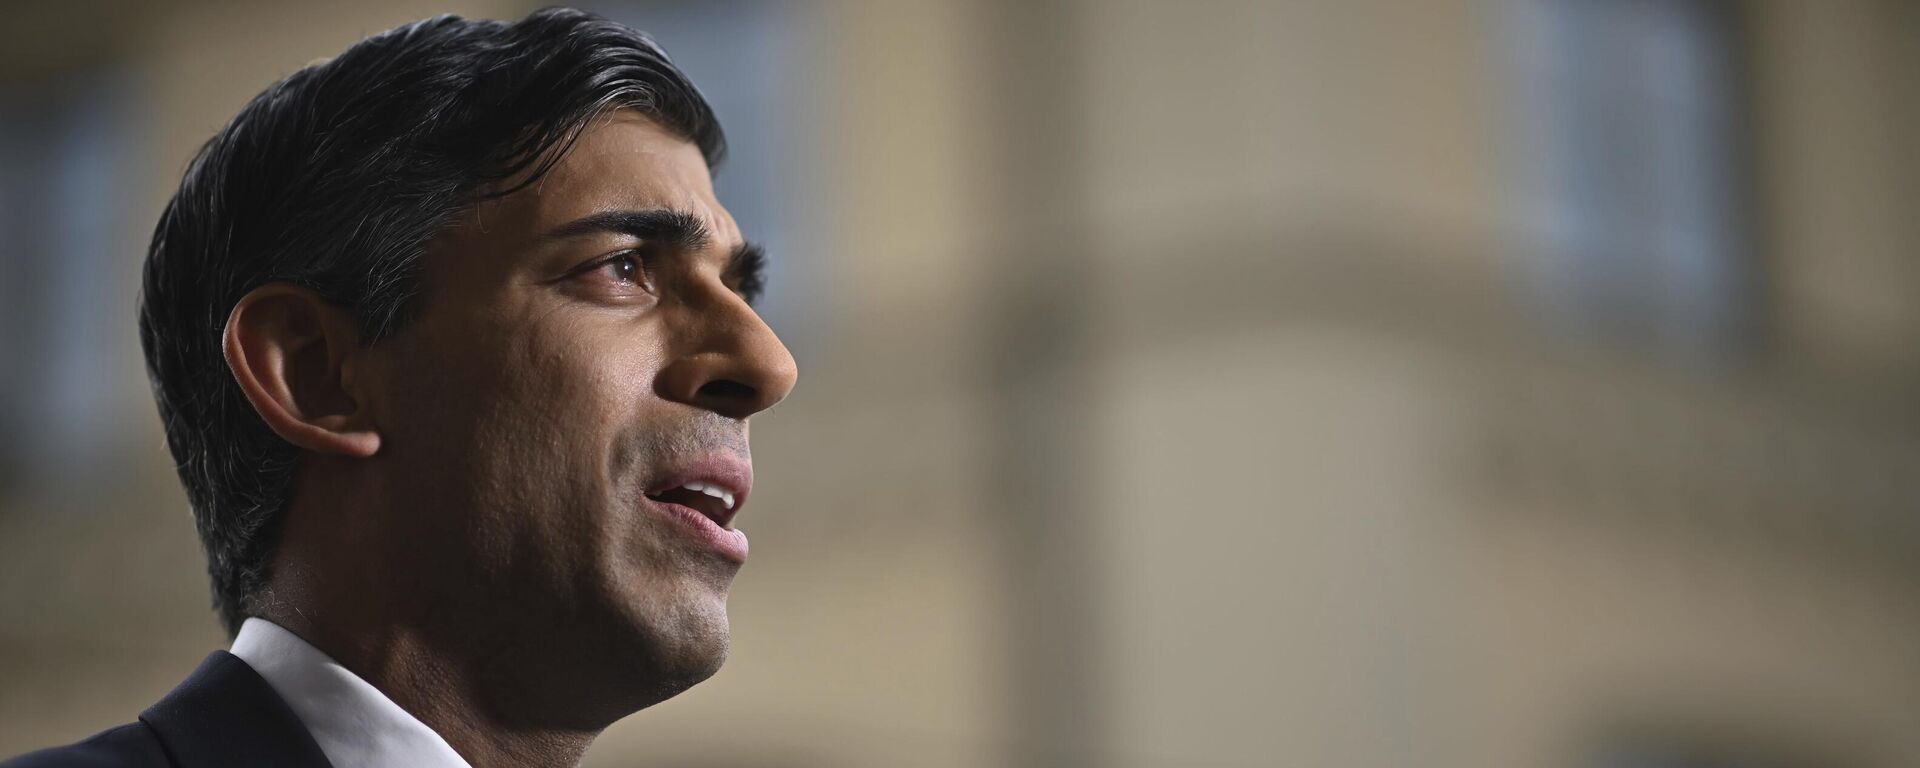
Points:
1349	383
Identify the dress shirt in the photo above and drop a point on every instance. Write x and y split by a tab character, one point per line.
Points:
355	724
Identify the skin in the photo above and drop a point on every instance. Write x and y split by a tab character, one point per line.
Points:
468	531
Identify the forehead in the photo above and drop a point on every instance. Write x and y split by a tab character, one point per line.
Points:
621	161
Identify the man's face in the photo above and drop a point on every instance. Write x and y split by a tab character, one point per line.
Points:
583	355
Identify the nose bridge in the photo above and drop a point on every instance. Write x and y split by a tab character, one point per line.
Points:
727	359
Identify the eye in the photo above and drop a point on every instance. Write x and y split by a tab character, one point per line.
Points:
626	268
617	274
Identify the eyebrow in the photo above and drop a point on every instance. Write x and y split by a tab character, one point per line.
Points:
681	230
663	225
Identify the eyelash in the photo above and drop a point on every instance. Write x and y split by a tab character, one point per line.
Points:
748	275
636	258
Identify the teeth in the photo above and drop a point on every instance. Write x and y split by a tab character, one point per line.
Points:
712	490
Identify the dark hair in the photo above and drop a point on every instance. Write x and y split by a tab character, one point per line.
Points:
335	179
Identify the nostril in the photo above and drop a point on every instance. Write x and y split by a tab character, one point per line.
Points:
726	389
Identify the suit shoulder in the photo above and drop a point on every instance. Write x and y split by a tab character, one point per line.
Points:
133	745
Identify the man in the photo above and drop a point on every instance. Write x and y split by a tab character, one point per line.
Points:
454	349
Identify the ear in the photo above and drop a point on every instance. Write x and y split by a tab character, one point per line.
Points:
295	356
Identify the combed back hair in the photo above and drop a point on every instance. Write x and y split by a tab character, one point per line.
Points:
335	179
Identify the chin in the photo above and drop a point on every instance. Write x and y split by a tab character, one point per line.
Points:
677	644
701	664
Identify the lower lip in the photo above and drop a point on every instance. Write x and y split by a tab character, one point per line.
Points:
730	543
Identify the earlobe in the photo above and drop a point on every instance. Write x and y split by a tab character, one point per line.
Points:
292	353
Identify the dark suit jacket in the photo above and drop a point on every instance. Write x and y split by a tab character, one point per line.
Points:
225	714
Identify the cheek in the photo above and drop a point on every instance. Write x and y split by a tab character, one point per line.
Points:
509	436
566	392
587	415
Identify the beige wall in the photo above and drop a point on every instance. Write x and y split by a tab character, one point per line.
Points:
1173	407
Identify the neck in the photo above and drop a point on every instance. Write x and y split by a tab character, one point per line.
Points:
441	690
412	622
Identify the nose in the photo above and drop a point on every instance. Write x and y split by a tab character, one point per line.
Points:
730	362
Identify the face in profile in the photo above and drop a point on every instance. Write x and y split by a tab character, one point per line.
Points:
565	426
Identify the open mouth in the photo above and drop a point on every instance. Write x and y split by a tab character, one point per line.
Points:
711	500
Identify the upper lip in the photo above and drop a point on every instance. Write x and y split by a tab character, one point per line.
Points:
729	474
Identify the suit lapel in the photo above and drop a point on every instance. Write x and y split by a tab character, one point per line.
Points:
226	714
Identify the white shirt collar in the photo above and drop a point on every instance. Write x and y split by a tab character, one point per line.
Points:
355	724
